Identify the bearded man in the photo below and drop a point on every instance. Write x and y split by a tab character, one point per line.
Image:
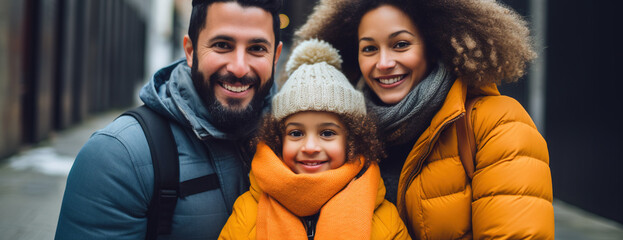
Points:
213	101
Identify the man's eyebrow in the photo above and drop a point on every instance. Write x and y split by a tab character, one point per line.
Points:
231	39
222	37
259	40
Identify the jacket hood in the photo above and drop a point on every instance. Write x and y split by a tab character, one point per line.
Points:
171	93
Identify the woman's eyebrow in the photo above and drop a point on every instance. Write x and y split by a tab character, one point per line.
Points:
393	35
369	39
400	32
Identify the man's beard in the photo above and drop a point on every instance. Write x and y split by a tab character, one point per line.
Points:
233	118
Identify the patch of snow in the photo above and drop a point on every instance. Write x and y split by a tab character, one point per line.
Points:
44	160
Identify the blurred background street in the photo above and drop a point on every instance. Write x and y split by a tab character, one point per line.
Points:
69	67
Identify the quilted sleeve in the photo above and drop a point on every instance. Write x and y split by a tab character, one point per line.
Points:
103	198
241	223
512	185
387	224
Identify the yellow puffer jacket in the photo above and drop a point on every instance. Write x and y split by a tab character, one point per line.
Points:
386	223
510	195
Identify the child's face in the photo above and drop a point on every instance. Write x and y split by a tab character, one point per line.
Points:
314	142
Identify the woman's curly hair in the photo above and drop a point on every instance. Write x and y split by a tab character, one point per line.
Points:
361	139
482	41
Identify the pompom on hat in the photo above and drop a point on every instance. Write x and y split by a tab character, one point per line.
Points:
315	83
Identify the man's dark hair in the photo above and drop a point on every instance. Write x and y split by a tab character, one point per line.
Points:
200	11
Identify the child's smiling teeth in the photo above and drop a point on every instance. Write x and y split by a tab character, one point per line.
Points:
312	163
390	80
236	89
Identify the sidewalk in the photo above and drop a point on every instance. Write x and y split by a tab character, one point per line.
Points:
32	184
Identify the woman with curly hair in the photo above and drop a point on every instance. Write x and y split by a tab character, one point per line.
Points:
418	63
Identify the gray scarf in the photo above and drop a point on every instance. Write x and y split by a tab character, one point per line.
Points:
407	119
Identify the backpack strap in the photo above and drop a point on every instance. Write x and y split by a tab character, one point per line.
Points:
199	185
466	139
165	161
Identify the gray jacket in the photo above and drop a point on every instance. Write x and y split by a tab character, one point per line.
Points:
111	182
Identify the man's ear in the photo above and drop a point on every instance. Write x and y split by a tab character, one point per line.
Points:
188	50
277	54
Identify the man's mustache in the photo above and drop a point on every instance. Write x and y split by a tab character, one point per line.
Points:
232	79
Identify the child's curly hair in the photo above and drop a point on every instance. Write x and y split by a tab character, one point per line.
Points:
482	41
361	139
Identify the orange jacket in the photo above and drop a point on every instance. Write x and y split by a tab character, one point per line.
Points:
386	223
510	195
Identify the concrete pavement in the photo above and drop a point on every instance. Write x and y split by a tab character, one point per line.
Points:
32	184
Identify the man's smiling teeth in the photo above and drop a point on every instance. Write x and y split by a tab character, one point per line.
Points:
236	89
390	80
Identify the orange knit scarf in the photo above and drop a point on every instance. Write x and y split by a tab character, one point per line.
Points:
346	205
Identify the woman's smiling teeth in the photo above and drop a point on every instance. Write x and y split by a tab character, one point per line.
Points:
236	89
391	80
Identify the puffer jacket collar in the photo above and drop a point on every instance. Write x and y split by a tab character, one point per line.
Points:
171	93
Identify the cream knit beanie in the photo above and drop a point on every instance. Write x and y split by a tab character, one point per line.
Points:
315	83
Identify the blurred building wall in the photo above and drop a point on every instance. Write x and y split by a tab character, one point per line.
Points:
64	60
583	104
159	47
11	32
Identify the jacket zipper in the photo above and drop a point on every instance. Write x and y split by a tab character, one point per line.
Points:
310	225
420	162
241	156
